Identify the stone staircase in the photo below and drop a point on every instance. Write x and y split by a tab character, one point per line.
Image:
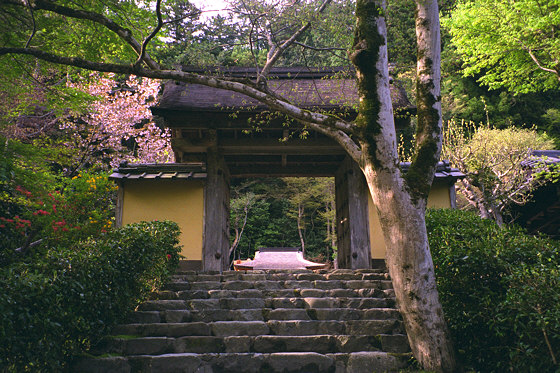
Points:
261	321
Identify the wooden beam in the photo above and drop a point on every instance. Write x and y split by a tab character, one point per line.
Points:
187	145
276	170
223	119
259	146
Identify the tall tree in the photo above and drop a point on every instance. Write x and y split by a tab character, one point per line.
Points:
370	139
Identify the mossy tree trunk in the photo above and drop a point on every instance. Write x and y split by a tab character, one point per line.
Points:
401	200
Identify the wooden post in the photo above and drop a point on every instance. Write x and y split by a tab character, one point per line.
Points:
352	216
215	242
452	196
120	204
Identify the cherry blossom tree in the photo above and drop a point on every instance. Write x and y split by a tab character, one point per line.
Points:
110	122
118	124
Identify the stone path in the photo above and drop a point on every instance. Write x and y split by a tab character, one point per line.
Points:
261	321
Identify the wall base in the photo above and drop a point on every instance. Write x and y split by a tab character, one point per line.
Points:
190	265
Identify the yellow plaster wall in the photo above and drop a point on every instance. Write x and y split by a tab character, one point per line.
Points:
439	198
181	201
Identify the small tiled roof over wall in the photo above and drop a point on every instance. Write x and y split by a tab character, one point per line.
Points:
443	171
542	212
160	171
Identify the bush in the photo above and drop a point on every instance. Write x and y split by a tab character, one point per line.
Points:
60	304
58	215
500	290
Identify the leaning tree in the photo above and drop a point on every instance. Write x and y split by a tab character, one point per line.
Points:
369	139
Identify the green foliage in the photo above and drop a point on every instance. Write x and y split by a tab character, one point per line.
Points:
551	172
55	33
29	85
272	217
401	33
40	209
325	44
239	38
493	161
500	291
465	99
61	303
510	44
59	215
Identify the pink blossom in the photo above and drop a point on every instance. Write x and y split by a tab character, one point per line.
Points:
115	117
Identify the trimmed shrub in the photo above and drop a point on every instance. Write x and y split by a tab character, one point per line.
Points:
500	290
59	305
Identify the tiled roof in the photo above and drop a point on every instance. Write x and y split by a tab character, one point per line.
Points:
172	171
540	157
160	171
443	170
319	89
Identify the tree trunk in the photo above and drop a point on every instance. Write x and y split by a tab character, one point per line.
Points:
401	201
412	272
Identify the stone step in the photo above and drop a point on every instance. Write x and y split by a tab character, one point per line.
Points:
261	321
249	303
240	276
278	293
272	327
259	275
395	343
266	314
262	314
237	285
309	362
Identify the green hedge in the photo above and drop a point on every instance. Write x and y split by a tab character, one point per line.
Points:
60	304
500	290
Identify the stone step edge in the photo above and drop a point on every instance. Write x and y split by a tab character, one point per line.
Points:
282	282
251	362
280	314
247	328
360	303
288	271
188	294
246	322
268	310
396	343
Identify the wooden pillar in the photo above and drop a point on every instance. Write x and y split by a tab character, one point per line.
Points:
215	241
120	204
351	192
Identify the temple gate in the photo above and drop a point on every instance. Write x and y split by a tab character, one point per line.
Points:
218	135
